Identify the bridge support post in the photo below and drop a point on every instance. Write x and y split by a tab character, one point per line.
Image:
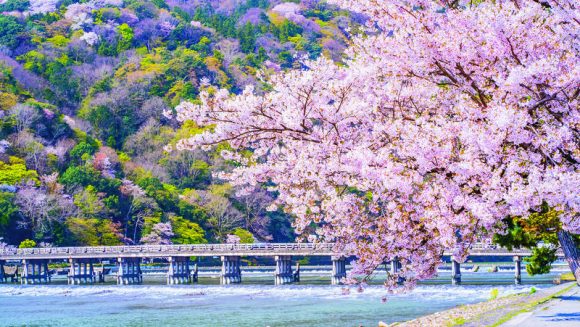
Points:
179	272
231	272
297	273
194	272
395	268
455	272
35	271
82	271
284	273
3	278
338	270
129	271
518	270
101	274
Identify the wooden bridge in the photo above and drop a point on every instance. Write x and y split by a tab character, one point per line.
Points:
35	261
211	250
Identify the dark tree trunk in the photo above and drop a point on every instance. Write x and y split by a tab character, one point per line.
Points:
571	253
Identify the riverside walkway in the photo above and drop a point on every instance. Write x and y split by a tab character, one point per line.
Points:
34	261
562	311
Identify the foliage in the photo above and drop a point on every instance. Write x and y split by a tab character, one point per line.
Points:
541	260
7	210
494	293
58	40
125	37
14	5
538	231
93	231
187	232
90	204
244	235
15	172
79	176
10	30
27	244
82	151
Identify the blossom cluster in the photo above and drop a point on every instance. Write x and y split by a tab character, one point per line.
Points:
446	118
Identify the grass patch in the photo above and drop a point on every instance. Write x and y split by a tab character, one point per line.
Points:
567	277
456	322
529	306
494	294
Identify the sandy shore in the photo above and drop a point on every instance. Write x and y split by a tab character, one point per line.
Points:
489	313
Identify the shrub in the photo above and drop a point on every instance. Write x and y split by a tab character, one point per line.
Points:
494	294
27	244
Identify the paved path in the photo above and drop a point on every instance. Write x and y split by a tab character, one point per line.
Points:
562	311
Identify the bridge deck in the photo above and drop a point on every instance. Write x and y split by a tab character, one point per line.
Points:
207	250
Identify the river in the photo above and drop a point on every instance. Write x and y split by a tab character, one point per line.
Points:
256	302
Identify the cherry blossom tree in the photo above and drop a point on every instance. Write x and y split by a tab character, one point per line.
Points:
447	117
41	211
253	207
161	233
232	239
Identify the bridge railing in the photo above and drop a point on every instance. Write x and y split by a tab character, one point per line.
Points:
218	249
175	248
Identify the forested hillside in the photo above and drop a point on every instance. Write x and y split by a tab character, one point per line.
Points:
84	86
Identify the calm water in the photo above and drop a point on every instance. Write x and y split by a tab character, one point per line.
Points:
254	303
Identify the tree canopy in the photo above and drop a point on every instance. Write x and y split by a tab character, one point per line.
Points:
446	118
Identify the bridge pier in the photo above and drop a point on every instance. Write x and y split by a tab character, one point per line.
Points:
129	271
3	278
297	273
231	272
35	271
338	270
284	274
194	272
81	271
518	270
395	268
179	272
455	272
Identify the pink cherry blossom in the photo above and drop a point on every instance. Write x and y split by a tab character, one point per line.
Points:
446	118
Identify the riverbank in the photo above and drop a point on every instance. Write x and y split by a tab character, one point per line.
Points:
494	312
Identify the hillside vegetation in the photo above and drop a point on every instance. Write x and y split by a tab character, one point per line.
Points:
87	97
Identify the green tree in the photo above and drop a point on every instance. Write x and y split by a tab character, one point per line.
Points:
107	49
80	152
287	29
90	204
7	209
542	232
79	176
10	30
34	61
15	5
126	36
244	235
93	231
247	38
186	232
161	4
27	244
286	59
15	172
